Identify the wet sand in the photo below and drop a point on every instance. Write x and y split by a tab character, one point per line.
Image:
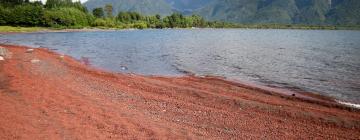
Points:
45	96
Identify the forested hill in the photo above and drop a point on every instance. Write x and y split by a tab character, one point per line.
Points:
284	11
146	7
334	12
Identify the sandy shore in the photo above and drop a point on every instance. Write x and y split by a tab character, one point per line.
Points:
45	96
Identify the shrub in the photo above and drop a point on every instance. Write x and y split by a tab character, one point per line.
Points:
4	15
98	12
140	25
66	17
104	22
27	15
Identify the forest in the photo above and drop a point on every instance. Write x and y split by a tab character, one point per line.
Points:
60	14
68	14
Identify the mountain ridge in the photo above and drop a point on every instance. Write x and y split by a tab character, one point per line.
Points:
310	12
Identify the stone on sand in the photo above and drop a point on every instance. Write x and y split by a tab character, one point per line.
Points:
35	61
3	51
29	50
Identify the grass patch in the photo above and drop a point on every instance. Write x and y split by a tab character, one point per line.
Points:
6	29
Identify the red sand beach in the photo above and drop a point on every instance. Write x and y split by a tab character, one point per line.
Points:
45	96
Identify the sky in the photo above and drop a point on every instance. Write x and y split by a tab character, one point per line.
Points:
82	1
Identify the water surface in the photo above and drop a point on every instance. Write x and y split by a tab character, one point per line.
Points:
321	61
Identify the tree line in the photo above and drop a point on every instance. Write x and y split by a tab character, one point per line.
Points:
68	14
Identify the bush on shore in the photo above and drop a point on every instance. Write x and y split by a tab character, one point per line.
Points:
4	15
104	22
69	17
27	15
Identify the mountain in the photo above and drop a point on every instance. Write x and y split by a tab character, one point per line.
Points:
150	7
344	12
147	7
187	6
284	11
347	12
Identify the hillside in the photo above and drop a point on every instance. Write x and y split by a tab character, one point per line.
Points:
344	12
147	7
284	11
187	6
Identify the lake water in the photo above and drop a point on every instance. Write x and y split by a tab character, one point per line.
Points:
320	61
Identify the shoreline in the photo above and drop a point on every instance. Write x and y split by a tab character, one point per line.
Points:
43	90
19	30
289	93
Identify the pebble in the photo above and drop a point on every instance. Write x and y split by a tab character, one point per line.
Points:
124	68
2	58
3	51
29	50
35	61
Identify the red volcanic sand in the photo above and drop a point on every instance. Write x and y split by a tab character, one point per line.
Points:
63	99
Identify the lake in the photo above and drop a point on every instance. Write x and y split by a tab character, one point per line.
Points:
320	61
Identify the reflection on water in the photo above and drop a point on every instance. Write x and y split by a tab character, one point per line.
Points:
327	62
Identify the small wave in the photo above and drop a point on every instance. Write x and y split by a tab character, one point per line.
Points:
349	104
182	70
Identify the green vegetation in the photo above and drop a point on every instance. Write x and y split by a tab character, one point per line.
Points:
55	13
98	12
6	29
68	17
68	14
109	10
144	7
307	12
290	26
60	14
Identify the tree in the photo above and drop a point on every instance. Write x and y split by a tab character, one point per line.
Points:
135	16
68	17
124	17
79	6
175	20
11	2
98	12
109	10
4	15
107	22
198	21
129	17
53	3
27	15
65	3
158	16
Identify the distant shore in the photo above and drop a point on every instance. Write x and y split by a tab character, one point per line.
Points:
44	94
11	29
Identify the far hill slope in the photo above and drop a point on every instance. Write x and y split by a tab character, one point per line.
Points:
342	12
334	12
187	6
147	7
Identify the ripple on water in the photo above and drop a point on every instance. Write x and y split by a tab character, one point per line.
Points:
325	62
